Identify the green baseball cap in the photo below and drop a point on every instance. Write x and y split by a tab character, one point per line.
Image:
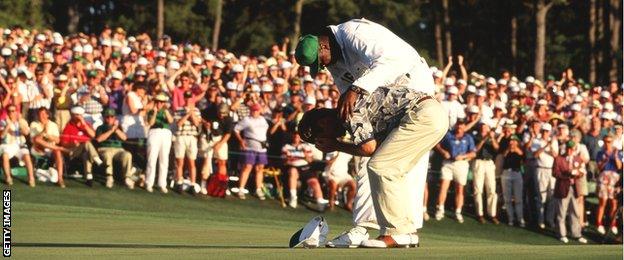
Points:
570	144
306	53
109	112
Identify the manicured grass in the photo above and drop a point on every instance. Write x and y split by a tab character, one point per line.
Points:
81	222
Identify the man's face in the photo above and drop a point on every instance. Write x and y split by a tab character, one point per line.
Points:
460	129
12	110
110	120
43	115
330	127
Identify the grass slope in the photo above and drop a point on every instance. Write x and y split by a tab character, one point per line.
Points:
80	222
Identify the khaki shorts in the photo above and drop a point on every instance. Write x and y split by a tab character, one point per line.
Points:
13	150
455	171
221	154
185	146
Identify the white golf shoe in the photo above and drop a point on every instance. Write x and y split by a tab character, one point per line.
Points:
393	241
349	239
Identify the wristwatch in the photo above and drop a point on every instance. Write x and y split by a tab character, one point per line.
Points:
356	89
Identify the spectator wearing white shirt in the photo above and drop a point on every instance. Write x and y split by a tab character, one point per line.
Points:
545	149
454	108
251	132
337	174
13	131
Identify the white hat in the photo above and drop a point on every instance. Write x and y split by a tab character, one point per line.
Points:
6	51
106	42
255	88
449	82
243	58
605	94
310	100
117	75
578	99
142	61
131	39
62	77
560	93
286	65
174	65
140	73
312	235
481	93
514	79
608	106
606	115
238	68
267	88
209	56
40	37
174	47
77	110
452	90
162	54
575	107
87	48
573	90
437	74
461	82
514	89
546	127
7	31
530	79
77	48
471	89
502	82
126	50
491	80
473	109
522	85
306	69
279	81
197	61
219	65
98	66
58	40
308	78
160	69
542	102
231	86
512	84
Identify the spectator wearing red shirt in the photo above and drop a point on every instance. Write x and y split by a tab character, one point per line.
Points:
76	138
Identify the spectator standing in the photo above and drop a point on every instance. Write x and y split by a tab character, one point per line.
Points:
457	148
251	133
513	158
610	164
484	172
220	130
158	143
62	101
545	148
188	120
566	170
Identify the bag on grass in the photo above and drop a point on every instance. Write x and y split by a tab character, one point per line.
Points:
217	185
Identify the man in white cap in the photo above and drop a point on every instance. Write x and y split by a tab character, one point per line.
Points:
545	148
76	138
359	67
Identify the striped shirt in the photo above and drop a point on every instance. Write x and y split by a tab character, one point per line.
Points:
188	128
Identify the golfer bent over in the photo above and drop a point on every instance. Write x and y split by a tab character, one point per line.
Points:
395	126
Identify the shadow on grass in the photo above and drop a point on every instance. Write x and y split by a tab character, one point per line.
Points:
148	246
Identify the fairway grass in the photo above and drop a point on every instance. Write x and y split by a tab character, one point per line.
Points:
80	222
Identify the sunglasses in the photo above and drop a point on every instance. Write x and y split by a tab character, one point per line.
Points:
11	110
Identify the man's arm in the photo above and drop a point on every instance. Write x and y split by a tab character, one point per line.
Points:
330	145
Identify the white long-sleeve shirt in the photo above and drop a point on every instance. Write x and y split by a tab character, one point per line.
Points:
374	57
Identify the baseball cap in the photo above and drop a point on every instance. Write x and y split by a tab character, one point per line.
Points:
491	80
471	89
575	107
502	82
473	109
77	110
546	127
231	86
515	137
109	112
62	77
267	88
542	102
306	53
452	90
310	100
255	107
161	97
449	82
92	74
570	144
481	93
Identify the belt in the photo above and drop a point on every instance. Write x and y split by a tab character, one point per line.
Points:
423	99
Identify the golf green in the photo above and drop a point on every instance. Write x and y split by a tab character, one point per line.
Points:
81	222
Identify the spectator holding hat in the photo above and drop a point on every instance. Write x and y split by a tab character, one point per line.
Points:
159	137
110	136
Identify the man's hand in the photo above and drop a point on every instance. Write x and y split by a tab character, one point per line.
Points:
346	104
326	145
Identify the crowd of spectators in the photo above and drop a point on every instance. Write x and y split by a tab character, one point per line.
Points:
128	108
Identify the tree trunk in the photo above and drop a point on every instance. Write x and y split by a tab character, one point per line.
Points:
614	26
217	25
160	27
74	17
447	28
296	24
437	29
540	37
592	41
514	42
35	19
600	40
